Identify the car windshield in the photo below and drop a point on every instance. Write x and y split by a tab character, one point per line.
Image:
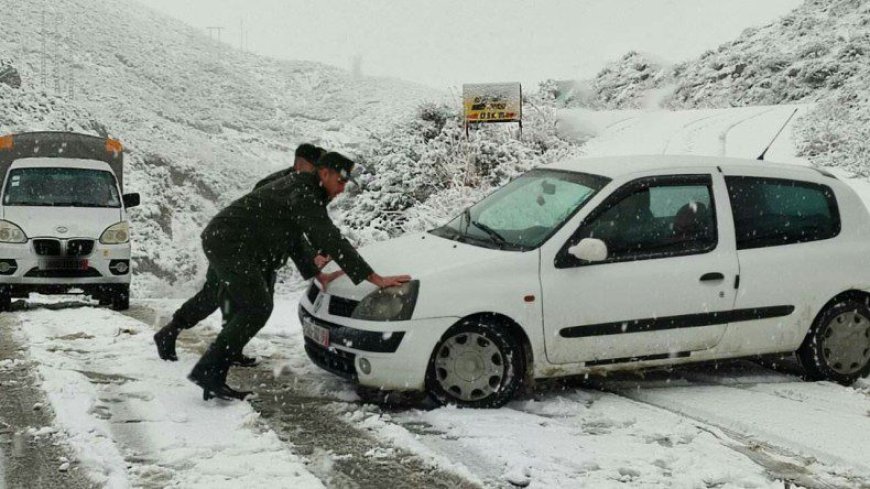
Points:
61	187
524	213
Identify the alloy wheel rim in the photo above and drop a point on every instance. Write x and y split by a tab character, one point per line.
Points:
846	343
469	366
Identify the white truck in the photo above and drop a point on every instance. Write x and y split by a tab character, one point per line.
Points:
63	217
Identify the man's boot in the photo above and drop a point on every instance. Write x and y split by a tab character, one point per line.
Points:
210	373
165	341
242	360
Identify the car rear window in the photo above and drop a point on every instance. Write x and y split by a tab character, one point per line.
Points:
775	212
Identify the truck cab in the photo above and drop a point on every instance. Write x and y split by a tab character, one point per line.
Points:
63	217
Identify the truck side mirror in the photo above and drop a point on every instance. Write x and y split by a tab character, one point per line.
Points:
131	200
589	249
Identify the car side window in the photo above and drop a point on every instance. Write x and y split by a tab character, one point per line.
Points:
775	212
652	218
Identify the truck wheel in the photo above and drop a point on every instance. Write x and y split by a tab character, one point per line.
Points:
837	347
121	298
5	299
477	365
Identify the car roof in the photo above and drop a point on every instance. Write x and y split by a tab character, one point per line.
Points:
619	166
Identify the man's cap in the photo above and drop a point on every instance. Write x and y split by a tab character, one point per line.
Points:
338	162
309	152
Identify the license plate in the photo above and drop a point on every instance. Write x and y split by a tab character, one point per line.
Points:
317	333
64	264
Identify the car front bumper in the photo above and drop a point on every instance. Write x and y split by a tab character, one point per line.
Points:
396	353
26	269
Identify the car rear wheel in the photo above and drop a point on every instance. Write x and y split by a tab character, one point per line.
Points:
476	364
837	348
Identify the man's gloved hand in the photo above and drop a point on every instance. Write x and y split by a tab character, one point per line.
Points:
388	281
321	261
325	278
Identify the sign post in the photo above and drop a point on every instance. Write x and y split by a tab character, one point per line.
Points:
492	102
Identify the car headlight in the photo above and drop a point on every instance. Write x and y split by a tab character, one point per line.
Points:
116	234
389	304
11	233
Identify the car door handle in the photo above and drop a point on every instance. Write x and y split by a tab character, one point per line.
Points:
712	277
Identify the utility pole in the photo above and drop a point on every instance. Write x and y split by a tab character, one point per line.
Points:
43	46
57	52
215	29
242	35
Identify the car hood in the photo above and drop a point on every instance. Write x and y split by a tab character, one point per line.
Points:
79	222
420	255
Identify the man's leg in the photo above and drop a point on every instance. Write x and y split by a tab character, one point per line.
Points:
248	306
197	308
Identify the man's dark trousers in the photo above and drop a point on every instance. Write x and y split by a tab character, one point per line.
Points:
206	301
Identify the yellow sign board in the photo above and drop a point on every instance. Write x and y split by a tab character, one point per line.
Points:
493	102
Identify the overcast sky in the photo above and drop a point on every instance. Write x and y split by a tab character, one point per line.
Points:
445	43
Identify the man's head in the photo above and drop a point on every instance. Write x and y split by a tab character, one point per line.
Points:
334	171
306	158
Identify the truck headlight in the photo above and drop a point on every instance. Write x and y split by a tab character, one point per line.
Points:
116	234
11	233
389	304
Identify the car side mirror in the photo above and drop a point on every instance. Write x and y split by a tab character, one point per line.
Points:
589	249
131	200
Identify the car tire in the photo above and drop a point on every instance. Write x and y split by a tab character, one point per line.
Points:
476	364
5	299
121	298
837	347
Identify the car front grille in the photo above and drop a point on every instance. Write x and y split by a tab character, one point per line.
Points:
79	247
54	247
336	361
339	306
312	293
46	247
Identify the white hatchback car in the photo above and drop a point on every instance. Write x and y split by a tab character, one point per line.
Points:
606	264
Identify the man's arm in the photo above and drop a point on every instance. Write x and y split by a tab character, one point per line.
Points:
326	237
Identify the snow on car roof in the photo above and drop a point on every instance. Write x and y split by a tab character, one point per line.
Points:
617	166
61	163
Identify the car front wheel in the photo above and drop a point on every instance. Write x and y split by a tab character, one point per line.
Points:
476	364
837	347
120	298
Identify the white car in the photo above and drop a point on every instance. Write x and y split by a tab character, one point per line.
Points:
606	264
63	217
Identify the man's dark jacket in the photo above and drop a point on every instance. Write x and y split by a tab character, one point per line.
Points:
274	176
280	219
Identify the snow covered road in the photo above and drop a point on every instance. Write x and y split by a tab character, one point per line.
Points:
134	421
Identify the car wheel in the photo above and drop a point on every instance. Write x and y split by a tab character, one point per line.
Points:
121	298
837	348
476	365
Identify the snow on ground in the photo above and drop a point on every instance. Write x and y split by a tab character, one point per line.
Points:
135	420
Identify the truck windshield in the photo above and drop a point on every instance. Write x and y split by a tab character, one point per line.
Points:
61	187
524	213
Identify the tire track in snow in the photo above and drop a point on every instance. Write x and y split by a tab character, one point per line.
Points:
781	463
322	431
686	126
29	460
723	136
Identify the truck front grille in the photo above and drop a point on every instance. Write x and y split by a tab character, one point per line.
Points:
79	247
46	247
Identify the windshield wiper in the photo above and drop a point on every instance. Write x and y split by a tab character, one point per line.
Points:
498	238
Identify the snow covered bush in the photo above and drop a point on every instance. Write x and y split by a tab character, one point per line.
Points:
421	173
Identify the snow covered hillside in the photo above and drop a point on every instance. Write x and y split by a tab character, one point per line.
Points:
201	121
817	53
